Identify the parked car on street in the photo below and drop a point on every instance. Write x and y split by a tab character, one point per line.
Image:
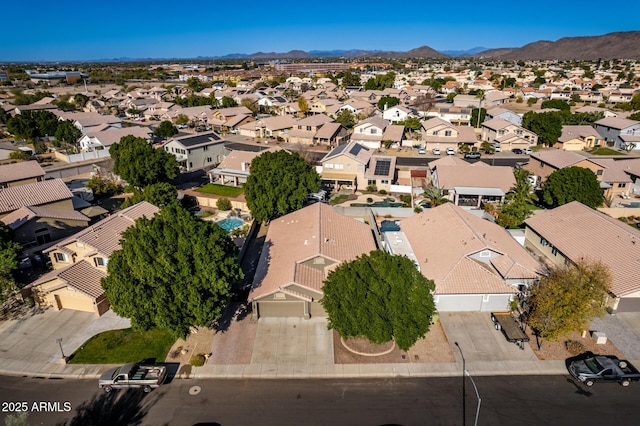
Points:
604	368
496	147
517	151
132	375
527	151
451	151
422	151
436	151
472	155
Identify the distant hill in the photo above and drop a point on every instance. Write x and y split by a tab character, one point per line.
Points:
468	52
620	45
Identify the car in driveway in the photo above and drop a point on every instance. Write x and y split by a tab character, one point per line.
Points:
472	155
451	151
527	151
517	151
422	151
436	151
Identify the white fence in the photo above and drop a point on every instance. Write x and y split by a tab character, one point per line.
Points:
83	156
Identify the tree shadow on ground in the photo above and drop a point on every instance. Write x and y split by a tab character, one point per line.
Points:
115	408
233	312
15	309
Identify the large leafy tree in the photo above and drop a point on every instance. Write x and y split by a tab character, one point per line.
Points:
547	125
9	250
387	102
381	297
346	118
568	297
159	194
278	184
556	104
350	79
67	132
380	81
165	130
572	184
140	164
174	271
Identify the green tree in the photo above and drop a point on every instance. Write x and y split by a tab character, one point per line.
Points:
387	102
80	100
228	102
102	187
159	194
567	298
140	164
635	116
278	184
532	101
556	104
195	84
67	132
547	125
165	130
518	203
412	124
4	116
381	297
303	105
182	119
9	250
19	155
572	184
380	81
474	117
223	204
351	79
174	271
434	194
346	118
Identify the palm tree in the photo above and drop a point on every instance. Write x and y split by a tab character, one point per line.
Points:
434	194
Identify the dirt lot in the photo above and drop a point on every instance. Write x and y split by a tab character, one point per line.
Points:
433	348
558	350
196	343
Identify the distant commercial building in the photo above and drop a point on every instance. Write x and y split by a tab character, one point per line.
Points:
68	76
311	67
3	75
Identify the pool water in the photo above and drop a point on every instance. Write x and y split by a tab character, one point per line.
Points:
230	223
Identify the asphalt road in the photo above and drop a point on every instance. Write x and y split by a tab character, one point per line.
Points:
522	400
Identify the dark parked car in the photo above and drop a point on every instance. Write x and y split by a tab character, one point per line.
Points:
472	155
604	368
517	151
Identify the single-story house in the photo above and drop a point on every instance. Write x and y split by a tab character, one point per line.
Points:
20	173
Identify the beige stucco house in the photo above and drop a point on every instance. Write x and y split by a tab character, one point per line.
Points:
578	138
80	262
507	134
300	250
20	173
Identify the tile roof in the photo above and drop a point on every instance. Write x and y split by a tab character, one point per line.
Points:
328	130
475	177
496	124
558	158
80	275
353	149
33	194
17	218
613	171
444	238
104	236
578	231
112	135
393	132
19	171
580	132
200	139
316	230
617	123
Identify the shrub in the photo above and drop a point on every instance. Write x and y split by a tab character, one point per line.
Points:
574	347
371	188
417	209
197	360
369	200
382	192
223	204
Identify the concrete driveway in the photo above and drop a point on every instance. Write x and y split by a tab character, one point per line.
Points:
479	340
33	338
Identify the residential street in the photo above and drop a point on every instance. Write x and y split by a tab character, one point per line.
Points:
509	400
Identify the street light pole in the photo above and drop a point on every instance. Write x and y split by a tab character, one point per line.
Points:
464	386
475	423
59	340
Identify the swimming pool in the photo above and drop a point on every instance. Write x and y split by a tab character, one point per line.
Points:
230	223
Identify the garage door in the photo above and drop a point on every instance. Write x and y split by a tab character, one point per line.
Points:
495	302
281	309
317	310
458	303
629	304
74	300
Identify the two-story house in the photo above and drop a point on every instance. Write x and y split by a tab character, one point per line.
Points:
195	152
80	262
505	114
15	174
507	135
304	130
441	134
51	193
98	139
398	113
619	133
370	132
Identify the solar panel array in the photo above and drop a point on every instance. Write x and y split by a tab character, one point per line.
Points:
355	149
382	168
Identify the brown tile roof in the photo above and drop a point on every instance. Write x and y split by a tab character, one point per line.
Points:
445	237
104	236
316	230
475	177
19	171
616	122
578	231
393	132
580	132
16	219
558	158
80	275
33	194
613	171
497	124
328	130
110	136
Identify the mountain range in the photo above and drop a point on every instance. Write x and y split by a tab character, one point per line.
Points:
618	45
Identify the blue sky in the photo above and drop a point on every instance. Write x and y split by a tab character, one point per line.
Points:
61	31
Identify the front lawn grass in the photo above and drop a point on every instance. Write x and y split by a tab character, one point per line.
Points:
605	151
222	190
122	346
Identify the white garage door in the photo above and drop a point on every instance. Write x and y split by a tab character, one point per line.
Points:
472	302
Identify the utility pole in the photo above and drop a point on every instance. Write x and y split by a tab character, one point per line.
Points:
464	387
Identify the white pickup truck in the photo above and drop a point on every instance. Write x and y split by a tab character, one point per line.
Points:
132	375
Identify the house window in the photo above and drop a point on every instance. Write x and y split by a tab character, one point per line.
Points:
554	251
299	127
371	182
339	166
42	235
447	133
190	164
599	172
101	261
374	131
384	182
61	257
328	166
308	128
622	185
360	167
205	148
279	296
208	159
543	242
518	132
349	167
434	133
501	132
